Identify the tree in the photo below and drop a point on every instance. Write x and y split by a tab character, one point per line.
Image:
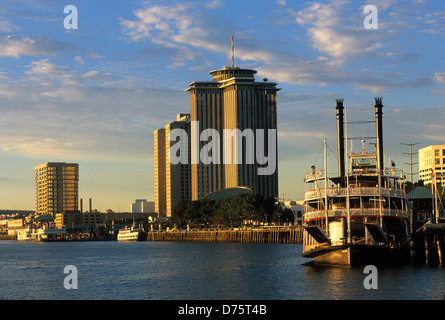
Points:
178	213
227	212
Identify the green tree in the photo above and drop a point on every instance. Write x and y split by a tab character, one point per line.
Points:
227	212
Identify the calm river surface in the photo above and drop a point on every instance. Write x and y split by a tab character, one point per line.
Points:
197	271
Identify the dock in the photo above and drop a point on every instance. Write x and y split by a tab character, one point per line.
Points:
428	244
8	237
291	236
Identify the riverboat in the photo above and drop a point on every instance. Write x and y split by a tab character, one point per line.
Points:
361	216
24	234
48	234
131	234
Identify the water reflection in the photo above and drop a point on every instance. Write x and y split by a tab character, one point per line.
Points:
171	270
329	282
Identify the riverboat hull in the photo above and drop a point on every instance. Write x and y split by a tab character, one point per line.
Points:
359	255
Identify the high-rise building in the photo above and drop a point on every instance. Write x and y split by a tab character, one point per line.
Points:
172	180
232	101
57	188
432	160
177	176
159	166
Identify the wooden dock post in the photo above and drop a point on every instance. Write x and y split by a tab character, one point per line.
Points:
439	243
427	251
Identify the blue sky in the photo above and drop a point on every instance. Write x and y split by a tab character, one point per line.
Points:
94	95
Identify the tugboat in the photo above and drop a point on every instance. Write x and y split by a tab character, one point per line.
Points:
361	216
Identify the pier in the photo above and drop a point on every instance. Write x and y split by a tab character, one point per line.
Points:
291	236
428	244
8	237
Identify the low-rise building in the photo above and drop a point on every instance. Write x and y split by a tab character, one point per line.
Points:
142	206
71	220
297	208
14	226
432	164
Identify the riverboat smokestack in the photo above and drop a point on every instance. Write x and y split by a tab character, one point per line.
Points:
340	138
379	129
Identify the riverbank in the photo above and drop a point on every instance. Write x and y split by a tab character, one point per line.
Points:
289	235
7	237
294	235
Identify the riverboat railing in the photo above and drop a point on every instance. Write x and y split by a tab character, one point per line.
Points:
354	191
355	212
386	172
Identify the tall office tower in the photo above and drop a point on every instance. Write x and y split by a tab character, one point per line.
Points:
159	166
177	176
432	160
172	180
57	186
234	100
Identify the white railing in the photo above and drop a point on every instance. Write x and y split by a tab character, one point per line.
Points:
355	212
354	191
386	172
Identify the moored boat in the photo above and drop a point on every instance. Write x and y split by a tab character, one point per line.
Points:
361	216
24	234
131	234
48	234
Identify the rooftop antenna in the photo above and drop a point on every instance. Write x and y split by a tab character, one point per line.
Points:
233	54
410	158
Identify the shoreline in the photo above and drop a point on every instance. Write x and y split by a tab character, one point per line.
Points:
285	235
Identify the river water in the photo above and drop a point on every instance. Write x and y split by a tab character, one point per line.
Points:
197	271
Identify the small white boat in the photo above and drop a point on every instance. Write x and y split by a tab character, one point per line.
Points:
130	234
48	234
24	234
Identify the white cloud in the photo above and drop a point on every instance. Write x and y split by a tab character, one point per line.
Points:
343	44
17	46
44	67
183	30
6	26
335	35
157	22
79	59
320	15
440	77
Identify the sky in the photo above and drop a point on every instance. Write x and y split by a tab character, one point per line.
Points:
94	94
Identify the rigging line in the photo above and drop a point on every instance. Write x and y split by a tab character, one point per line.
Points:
333	152
360	138
406	239
360	122
319	154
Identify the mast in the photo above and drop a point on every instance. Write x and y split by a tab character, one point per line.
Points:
326	185
436	208
233	54
347	180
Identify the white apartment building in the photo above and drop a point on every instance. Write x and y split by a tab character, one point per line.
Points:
142	206
432	160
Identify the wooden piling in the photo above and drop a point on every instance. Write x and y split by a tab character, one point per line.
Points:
439	244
